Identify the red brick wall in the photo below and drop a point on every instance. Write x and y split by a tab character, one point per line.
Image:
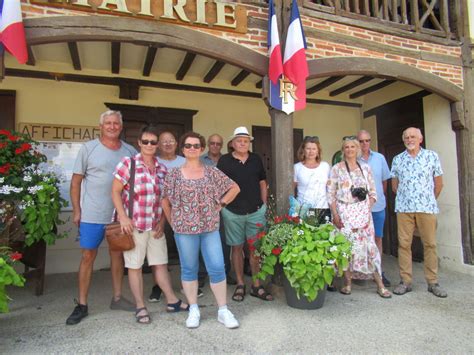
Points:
256	39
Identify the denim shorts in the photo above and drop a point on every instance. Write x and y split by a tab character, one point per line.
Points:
91	235
379	221
241	227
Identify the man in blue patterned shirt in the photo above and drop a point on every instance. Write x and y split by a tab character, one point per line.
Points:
417	180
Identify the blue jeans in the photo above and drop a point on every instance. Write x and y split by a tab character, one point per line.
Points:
210	246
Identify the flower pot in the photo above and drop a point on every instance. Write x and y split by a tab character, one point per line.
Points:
302	303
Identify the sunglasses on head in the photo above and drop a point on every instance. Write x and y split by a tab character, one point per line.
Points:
146	142
349	138
189	146
311	139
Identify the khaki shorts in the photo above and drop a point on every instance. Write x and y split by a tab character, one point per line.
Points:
154	249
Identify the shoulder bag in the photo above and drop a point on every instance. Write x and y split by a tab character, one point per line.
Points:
117	240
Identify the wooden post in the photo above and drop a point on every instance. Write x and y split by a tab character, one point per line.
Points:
2	62
282	158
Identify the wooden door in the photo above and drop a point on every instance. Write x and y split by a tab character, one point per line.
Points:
177	121
262	145
392	119
7	109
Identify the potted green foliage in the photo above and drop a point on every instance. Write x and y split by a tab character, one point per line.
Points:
311	256
8	275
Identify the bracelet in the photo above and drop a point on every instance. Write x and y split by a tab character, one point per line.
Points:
223	204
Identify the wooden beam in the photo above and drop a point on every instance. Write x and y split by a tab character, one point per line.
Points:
259	84
149	60
31	57
239	77
74	52
115	81
350	86
116	57
129	90
372	88
2	62
324	84
212	73
185	65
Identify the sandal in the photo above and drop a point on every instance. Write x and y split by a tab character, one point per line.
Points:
239	293
346	290
176	307
260	292
144	318
384	293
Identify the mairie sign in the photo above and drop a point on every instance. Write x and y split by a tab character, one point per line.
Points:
208	13
59	132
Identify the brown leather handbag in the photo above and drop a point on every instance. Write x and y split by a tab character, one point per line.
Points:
119	241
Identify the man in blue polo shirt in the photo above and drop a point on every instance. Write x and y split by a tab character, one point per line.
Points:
417	179
381	174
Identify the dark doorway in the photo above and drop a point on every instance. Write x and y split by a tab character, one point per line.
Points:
392	119
7	109
178	121
262	145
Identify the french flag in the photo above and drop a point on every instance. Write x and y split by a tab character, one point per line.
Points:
295	66
275	63
12	33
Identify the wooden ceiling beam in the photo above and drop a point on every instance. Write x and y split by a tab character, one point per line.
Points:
240	77
372	88
31	57
350	86
116	57
74	52
324	84
149	60
185	65
212	73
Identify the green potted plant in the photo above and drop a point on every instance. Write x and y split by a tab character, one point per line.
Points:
311	256
8	275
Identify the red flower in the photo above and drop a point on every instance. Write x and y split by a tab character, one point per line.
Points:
276	251
2	145
251	246
259	225
16	256
5	132
5	168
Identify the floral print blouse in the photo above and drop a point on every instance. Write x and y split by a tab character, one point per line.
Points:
195	202
340	182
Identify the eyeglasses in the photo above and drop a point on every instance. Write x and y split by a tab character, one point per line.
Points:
219	144
189	146
146	142
349	138
312	139
364	140
168	142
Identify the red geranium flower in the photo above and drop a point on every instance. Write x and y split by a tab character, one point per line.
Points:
5	132
276	251
16	256
2	145
5	168
259	225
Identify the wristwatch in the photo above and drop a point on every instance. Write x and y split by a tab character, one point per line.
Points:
223	204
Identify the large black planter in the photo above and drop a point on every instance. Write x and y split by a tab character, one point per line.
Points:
302	303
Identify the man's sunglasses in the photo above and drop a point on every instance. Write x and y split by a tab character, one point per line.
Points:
189	146
146	142
215	143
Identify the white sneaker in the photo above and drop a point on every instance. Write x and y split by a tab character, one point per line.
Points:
227	318
193	318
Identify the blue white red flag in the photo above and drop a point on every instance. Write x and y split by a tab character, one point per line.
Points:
295	66
275	63
12	33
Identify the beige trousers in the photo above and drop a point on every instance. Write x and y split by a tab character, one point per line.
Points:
426	224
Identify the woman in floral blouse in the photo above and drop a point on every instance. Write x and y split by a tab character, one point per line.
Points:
351	194
194	195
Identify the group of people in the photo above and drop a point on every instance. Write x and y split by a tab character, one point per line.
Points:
352	193
214	203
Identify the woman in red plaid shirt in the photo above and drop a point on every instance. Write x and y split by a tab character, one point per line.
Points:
147	223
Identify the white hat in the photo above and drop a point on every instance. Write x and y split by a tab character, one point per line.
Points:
241	132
